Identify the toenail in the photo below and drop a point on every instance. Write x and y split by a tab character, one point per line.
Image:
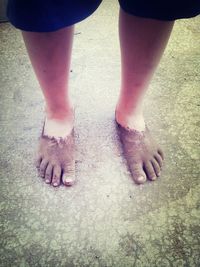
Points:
55	184
159	174
47	181
153	178
69	181
141	179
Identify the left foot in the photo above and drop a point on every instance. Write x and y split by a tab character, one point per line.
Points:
144	157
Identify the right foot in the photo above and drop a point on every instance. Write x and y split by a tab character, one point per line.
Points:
55	161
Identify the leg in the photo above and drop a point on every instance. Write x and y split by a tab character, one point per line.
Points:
50	55
142	44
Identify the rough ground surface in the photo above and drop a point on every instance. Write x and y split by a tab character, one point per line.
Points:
105	219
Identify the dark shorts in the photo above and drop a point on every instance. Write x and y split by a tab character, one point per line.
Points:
51	15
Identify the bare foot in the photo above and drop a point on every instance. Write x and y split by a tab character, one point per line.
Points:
144	157
55	161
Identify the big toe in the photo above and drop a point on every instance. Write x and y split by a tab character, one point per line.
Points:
68	177
137	173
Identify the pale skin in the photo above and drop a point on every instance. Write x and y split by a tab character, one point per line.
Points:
142	43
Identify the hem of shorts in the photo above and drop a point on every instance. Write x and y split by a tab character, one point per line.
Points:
53	27
162	18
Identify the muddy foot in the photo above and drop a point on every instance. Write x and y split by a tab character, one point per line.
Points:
55	161
144	157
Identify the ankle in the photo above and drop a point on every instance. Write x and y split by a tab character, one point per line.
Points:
60	113
59	123
131	120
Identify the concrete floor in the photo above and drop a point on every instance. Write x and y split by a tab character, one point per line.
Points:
105	219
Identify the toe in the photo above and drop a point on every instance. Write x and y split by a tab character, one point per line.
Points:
38	162
159	160
48	173
161	153
56	175
156	167
149	170
43	167
137	173
68	177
